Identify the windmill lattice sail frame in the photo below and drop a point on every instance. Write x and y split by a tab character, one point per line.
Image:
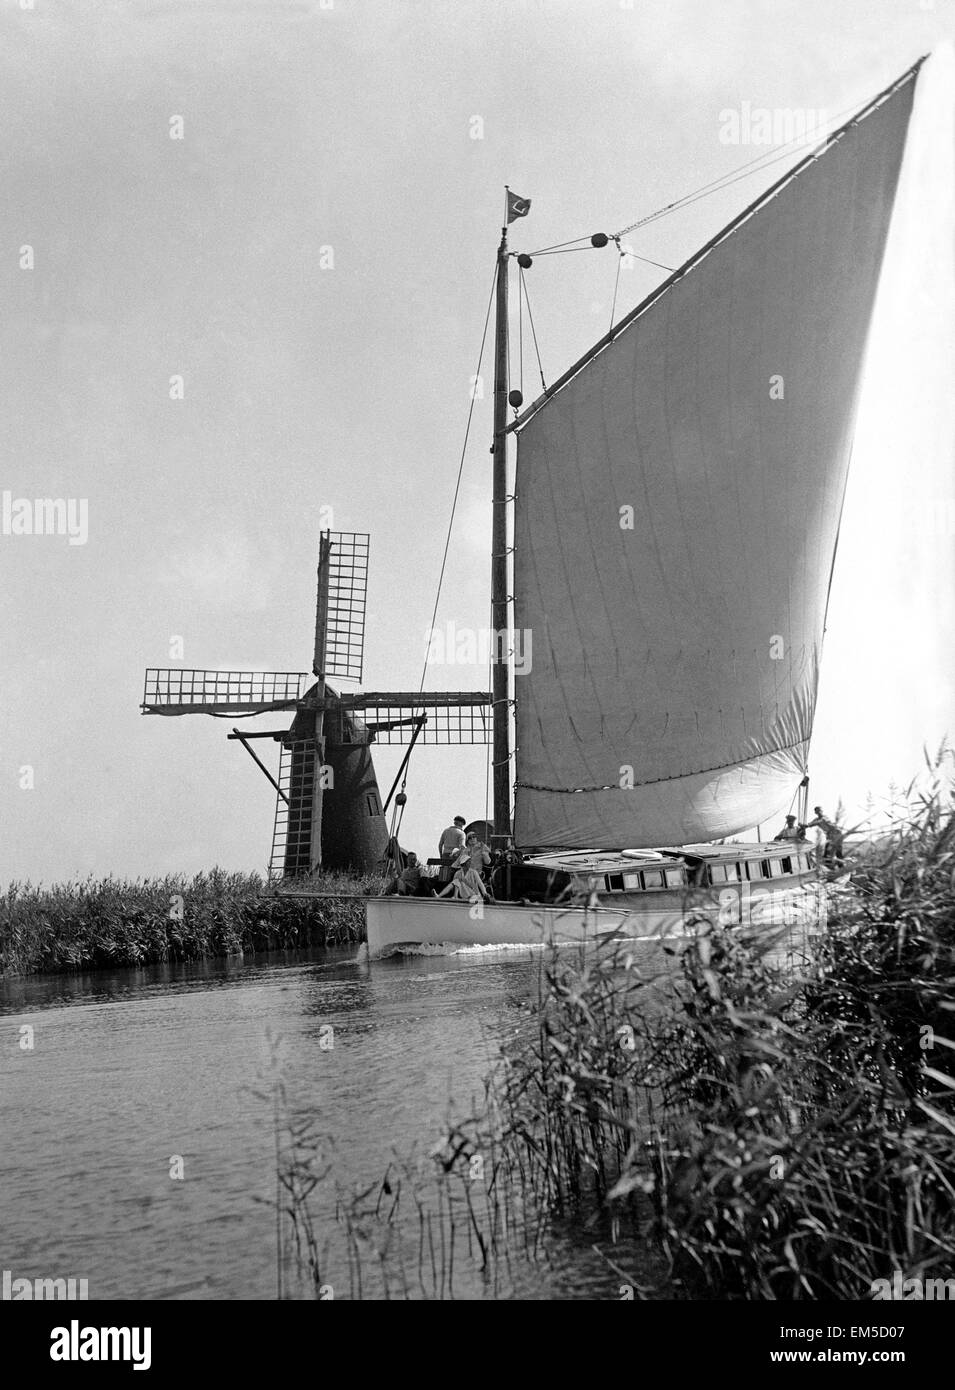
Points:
347	601
325	765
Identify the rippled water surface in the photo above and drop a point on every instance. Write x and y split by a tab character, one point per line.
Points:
131	1068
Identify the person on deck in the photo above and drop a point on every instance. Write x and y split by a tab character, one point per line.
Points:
409	880
833	851
474	855
466	886
790	831
407	877
451	842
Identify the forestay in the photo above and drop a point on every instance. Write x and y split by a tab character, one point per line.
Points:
675	663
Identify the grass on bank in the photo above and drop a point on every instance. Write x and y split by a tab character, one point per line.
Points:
111	923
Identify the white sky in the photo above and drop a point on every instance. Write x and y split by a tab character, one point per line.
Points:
350	127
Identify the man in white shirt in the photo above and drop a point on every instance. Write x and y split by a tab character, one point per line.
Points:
452	841
790	831
833	852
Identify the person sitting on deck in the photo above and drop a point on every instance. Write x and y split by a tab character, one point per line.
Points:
408	883
466	886
406	874
452	841
790	831
832	852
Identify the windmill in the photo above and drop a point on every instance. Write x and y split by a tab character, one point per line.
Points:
328	809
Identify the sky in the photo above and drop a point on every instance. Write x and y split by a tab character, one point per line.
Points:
313	258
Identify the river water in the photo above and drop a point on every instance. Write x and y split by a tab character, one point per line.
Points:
136	1076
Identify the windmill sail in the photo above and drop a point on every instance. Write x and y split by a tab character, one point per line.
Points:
676	647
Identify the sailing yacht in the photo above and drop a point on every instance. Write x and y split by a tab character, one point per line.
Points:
677	499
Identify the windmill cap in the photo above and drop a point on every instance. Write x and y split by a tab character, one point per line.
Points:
459	820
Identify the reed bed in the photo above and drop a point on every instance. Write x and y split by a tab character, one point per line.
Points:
778	1134
744	1128
110	923
451	1223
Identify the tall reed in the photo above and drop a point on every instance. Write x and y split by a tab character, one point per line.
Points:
742	1126
111	922
781	1134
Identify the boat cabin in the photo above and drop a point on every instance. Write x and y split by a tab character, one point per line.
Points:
648	871
717	865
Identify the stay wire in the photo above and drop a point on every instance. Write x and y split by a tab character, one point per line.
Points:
398	811
629	252
520	331
752	166
530	319
616	286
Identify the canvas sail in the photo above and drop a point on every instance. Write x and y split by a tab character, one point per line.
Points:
670	695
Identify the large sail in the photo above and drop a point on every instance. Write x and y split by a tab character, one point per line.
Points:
676	515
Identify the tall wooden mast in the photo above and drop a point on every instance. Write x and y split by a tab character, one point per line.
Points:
499	596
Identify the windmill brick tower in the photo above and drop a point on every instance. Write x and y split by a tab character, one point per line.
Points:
328	811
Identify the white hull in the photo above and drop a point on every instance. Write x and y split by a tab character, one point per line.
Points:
395	922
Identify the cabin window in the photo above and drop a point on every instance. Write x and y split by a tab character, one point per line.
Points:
674	877
776	868
756	869
653	878
787	865
632	881
724	873
614	882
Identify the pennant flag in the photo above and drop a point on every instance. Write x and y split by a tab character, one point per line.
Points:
516	207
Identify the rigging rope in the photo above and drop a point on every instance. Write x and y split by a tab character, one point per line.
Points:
616	286
565	251
530	316
752	166
508	337
629	252
520	329
399	806
745	171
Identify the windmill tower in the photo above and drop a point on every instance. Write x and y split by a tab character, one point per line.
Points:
328	811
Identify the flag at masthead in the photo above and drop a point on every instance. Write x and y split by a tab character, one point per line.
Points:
516	207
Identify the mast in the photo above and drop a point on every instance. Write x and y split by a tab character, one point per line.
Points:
499	599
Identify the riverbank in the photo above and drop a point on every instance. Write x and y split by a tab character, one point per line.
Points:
111	923
772	1133
761	1130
